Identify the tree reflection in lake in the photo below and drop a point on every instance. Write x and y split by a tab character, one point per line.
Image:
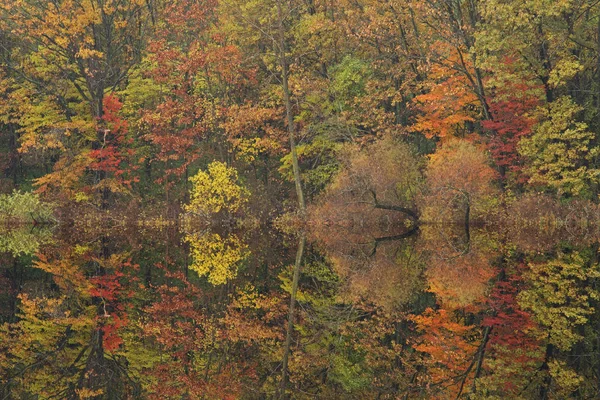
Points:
382	311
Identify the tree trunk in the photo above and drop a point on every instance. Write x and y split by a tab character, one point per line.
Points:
290	325
404	210
288	109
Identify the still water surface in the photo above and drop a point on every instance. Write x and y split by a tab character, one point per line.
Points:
158	311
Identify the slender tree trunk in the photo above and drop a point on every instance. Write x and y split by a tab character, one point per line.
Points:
478	76
288	109
598	74
301	202
545	388
486	338
290	325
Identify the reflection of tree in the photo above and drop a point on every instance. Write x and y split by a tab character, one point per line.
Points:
494	321
453	347
514	354
453	344
458	264
23	239
560	297
67	334
378	264
199	353
538	222
508	330
345	348
391	276
216	257
89	322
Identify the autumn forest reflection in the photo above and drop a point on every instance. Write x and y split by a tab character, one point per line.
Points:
382	310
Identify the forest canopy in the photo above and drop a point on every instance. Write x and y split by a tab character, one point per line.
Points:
354	199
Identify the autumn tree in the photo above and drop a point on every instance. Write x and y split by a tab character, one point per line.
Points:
71	54
216	190
459	183
513	115
562	150
199	74
386	38
454	97
530	34
381	177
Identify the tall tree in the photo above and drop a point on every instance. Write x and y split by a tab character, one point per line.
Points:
70	55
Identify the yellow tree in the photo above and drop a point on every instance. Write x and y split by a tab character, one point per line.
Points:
561	150
215	190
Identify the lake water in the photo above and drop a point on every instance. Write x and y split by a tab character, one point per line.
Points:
155	310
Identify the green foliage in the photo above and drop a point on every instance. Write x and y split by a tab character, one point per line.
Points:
561	150
350	375
349	79
140	92
561	297
25	207
319	162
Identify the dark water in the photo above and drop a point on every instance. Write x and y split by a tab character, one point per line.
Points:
159	311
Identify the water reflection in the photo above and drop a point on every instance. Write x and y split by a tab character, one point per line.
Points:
381	311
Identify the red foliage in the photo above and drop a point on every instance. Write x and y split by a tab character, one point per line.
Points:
187	334
112	316
194	67
511	109
111	153
511	341
509	322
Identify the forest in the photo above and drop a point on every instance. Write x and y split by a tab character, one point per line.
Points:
299	199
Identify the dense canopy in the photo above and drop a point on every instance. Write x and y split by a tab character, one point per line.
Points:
332	199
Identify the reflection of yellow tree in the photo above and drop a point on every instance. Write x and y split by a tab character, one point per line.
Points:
216	257
23	240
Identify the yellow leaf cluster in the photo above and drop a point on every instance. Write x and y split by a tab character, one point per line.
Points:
216	257
215	190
